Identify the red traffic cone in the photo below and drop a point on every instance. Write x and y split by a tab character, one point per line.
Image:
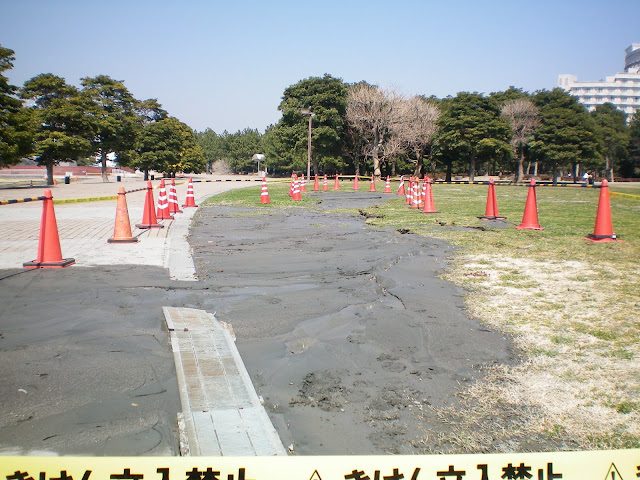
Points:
336	184
491	211
293	177
325	184
149	219
303	184
530	216
401	186
295	194
316	187
372	184
190	201
264	195
49	253
356	185
163	203
387	186
603	230
429	205
173	199
122	227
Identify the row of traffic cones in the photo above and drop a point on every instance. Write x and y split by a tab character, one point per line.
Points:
167	207
418	196
49	253
603	229
336	184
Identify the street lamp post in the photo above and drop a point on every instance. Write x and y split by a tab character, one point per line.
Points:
306	111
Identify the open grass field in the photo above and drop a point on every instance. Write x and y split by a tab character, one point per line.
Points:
571	307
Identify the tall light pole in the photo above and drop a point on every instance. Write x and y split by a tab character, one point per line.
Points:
306	111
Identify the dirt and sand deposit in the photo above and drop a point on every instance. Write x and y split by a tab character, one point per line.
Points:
347	332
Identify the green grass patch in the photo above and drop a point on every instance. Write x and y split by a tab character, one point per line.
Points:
84	200
250	197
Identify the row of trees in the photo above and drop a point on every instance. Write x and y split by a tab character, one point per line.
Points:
54	121
356	128
360	127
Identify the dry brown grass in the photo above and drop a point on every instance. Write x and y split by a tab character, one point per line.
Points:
577	330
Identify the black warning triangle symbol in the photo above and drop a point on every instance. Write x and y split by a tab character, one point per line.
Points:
613	473
315	476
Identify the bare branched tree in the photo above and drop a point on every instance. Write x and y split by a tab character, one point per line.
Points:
415	126
370	112
523	118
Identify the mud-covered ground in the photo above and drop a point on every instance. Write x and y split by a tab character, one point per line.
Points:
347	332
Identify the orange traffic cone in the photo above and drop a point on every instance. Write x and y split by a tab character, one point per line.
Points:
415	195
409	197
336	184
264	196
530	216
122	227
401	186
491	211
190	201
149	219
356	185
49	253
293	177
173	199
303	183
316	187
387	186
325	184
163	203
603	230
429	205
295	195
372	184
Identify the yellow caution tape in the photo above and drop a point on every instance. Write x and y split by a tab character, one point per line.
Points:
587	465
621	194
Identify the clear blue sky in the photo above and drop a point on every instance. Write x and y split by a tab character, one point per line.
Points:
225	64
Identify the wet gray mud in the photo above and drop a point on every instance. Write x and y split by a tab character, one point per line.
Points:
86	364
347	332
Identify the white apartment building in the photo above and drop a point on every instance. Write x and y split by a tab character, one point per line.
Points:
621	89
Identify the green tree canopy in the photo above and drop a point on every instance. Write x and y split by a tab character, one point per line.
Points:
236	149
114	116
613	131
567	134
471	128
15	124
63	127
326	98
213	146
169	146
630	167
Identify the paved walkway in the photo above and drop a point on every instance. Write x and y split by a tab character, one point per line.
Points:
221	411
83	228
